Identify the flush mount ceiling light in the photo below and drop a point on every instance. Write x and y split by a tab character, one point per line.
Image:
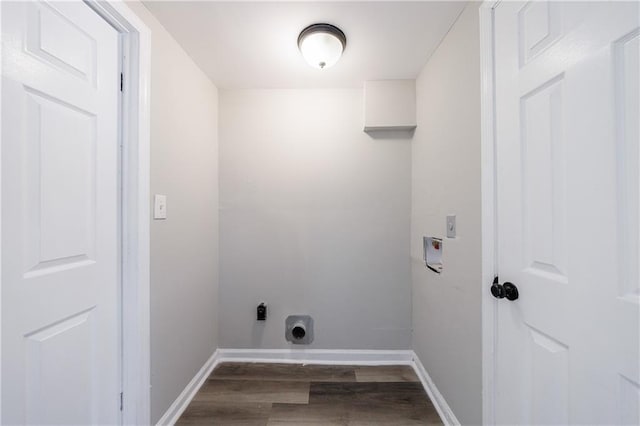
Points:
322	45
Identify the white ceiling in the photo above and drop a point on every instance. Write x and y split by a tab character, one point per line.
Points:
253	44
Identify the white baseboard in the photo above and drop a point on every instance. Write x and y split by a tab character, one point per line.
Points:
181	403
318	356
311	356
445	412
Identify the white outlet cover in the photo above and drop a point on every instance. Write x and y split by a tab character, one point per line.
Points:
159	206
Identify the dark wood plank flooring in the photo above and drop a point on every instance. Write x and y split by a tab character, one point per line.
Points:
295	394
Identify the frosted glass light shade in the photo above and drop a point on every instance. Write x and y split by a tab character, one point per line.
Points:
321	45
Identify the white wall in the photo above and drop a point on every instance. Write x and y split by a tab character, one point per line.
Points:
184	248
446	180
314	219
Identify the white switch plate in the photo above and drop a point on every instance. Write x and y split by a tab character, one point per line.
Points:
159	206
451	226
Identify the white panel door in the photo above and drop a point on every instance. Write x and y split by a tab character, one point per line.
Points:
60	215
567	174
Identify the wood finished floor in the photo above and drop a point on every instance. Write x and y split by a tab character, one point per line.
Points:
295	394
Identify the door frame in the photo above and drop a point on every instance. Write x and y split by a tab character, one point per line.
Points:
489	218
135	178
134	119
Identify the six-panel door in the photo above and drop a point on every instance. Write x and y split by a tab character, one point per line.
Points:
567	158
60	213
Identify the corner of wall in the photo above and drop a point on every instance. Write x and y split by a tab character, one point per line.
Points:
446	315
184	247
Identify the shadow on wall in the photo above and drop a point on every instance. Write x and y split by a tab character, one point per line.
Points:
381	134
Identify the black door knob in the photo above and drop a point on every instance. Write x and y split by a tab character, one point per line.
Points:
510	291
500	291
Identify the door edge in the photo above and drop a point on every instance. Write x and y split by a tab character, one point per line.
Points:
488	208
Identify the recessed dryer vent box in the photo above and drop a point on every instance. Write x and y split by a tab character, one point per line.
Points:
432	247
389	105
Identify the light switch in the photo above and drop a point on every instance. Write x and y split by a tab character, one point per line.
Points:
451	226
159	206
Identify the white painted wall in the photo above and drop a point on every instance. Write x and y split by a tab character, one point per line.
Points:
446	180
314	219
389	105
184	248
